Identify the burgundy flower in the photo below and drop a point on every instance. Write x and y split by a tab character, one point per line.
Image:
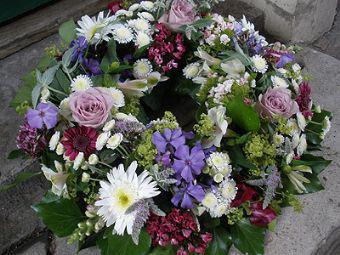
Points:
244	193
304	99
114	6
79	139
261	217
31	140
178	229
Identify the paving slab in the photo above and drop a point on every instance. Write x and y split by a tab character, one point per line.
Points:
38	248
61	247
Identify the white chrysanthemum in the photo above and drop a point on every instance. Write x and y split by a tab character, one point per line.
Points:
81	83
142	39
122	190
191	70
301	120
142	68
118	97
114	141
139	24
146	15
54	141
278	139
122	34
102	140
95	29
93	159
109	125
279	82
228	189
219	162
58	179
210	200
259	64
134	7
147	5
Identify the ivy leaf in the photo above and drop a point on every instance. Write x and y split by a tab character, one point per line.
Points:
244	116
24	92
61	216
318	164
248	238
16	154
123	245
220	244
22	177
67	31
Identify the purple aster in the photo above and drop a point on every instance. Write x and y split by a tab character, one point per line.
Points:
45	113
284	59
79	47
187	164
186	194
164	159
93	66
168	140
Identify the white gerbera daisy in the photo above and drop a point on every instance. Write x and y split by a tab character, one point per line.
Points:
118	97
279	82
122	190
122	34
142	68
95	29
259	64
146	15
139	24
81	83
191	70
142	39
147	5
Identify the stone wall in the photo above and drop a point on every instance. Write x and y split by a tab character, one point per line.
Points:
297	20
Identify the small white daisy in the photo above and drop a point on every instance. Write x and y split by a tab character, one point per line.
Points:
139	24
142	39
279	82
259	64
118	97
228	189
114	141
81	83
142	68
191	70
122	34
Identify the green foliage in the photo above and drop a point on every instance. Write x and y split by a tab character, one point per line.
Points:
188	87
221	242
20	178
237	157
205	126
318	164
16	154
169	250
123	245
249	120
24	92
248	238
61	216
67	31
110	57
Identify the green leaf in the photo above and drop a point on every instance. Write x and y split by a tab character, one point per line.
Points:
110	56
169	250
247	238
22	177
318	164
24	92
238	158
221	242
16	154
108	156
123	245
244	116
140	51
67	31
61	216
187	87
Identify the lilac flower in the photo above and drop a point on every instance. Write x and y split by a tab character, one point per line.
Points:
45	113
164	159
187	193
168	140
284	59
187	164
80	46
92	65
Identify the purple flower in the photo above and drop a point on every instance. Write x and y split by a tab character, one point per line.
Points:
45	113
187	194
168	140
92	65
79	47
284	59
187	164
164	159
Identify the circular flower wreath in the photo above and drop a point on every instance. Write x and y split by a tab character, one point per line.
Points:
133	185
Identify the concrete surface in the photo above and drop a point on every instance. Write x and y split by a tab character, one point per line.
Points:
297	20
61	247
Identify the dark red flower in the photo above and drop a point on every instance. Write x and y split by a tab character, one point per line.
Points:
178	229
304	99
261	217
79	139
244	193
114	6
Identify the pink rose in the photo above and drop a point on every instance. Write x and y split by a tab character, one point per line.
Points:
181	13
277	101
91	108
